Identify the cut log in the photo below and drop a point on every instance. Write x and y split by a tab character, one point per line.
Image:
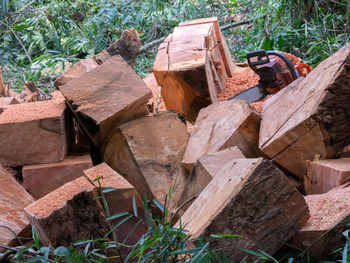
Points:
41	179
189	66
127	46
34	133
13	198
206	168
309	117
148	152
79	68
75	208
325	175
330	212
225	53
251	198
105	97
220	126
120	200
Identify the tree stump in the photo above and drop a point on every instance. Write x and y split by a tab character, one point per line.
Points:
220	126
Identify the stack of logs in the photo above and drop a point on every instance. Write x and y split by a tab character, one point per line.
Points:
274	178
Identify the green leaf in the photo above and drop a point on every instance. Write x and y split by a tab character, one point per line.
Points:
198	256
119	223
61	251
33	259
186	251
23	250
132	230
35	238
134	205
19	27
118	215
251	252
108	189
81	242
159	205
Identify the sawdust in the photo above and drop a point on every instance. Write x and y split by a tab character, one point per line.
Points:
239	82
32	111
258	105
328	209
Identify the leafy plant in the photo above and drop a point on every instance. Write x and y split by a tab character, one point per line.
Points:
161	242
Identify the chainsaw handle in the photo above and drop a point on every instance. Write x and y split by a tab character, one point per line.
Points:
262	57
286	60
259	55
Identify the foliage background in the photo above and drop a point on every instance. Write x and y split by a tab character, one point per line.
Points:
39	34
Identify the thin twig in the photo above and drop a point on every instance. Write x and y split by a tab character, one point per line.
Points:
24	7
13	232
151	44
319	238
11	248
181	206
19	40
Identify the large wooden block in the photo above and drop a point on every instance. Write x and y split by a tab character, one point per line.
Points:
13	198
229	65
206	168
120	200
72	212
330	217
324	175
41	179
251	198
33	133
106	96
220	126
310	116
191	66
148	152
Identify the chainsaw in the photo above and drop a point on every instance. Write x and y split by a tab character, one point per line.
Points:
275	69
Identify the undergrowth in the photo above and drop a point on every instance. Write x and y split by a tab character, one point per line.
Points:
39	37
161	243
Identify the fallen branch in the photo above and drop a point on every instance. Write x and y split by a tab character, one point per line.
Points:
235	24
244	22
151	44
